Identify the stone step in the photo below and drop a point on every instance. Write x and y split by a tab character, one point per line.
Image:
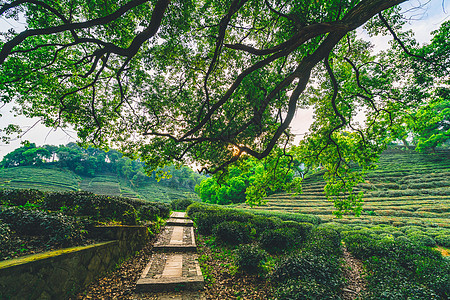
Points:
178	215
176	238
179	222
167	272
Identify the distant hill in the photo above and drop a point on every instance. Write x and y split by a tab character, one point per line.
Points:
51	178
407	188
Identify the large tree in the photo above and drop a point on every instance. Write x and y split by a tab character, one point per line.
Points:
206	81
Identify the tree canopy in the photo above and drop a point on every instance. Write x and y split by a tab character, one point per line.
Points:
211	81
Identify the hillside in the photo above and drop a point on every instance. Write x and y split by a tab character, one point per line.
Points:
406	188
49	178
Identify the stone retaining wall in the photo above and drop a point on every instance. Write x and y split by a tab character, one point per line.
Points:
61	273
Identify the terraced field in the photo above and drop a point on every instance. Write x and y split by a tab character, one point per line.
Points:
47	179
160	193
54	179
407	188
107	184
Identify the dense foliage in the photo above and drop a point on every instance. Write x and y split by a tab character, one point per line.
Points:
180	204
250	181
98	208
401	268
232	226
92	161
215	81
304	261
49	220
56	227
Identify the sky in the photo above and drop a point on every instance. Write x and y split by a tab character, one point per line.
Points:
422	21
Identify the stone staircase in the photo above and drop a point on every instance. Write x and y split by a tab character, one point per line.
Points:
174	265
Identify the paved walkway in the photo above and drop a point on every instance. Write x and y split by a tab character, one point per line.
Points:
174	267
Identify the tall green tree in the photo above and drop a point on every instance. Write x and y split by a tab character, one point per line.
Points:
195	80
27	155
430	122
250	180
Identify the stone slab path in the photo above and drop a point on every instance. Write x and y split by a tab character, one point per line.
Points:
179	222
174	265
176	238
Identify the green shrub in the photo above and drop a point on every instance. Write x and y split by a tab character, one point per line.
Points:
20	197
399	289
359	245
58	228
392	279
304	289
285	216
435	274
148	213
181	204
163	209
232	232
99	207
402	238
129	217
443	240
250	258
422	239
302	229
5	239
207	217
54	201
277	221
336	226
325	241
206	221
276	240
308	266
397	234
198	207
261	224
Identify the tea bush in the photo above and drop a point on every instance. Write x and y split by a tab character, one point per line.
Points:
443	240
275	240
250	258
285	216
304	289
358	244
325	241
302	229
20	197
148	213
181	204
422	239
401	268
197	207
232	232
54	201
58	228
207	221
5	238
104	208
261	224
281	239
392	279
321	275
164	209
207	217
